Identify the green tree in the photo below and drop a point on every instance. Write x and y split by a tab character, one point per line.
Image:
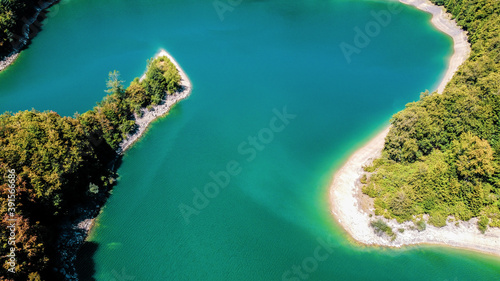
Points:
155	83
474	157
115	85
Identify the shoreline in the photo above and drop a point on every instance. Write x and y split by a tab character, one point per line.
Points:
345	190
8	61
12	57
76	232
161	109
443	22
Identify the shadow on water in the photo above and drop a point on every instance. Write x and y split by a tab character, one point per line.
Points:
84	263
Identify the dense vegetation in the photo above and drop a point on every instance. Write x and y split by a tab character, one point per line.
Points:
441	156
13	16
61	162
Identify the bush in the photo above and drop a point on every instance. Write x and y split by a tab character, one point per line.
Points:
420	224
380	227
93	188
369	168
370	190
401	206
363	179
482	224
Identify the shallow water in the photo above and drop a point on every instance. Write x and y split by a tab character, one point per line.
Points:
264	56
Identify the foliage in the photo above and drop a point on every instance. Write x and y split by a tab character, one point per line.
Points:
112	117
379	226
51	156
61	162
10	12
13	15
137	96
420	224
441	156
438	219
93	188
172	76
46	150
363	179
482	224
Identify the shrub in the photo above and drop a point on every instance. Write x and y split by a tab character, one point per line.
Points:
370	190
482	224
369	168
93	188
420	224
363	179
380	227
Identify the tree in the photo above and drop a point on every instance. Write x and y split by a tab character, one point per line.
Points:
137	95
115	85
155	83
474	157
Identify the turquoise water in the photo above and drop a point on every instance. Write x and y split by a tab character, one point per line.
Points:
264	56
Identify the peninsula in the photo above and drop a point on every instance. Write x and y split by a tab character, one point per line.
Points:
380	224
67	166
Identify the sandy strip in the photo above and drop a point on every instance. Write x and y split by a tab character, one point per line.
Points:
345	191
159	110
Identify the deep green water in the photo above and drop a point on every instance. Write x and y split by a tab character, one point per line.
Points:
264	56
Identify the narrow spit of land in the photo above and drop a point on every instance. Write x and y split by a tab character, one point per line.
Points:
159	110
78	232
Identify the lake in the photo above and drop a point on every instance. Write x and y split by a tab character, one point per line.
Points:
233	183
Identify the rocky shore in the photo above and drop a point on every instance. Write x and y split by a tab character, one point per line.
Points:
8	61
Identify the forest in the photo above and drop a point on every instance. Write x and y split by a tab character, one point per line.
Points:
441	157
58	163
